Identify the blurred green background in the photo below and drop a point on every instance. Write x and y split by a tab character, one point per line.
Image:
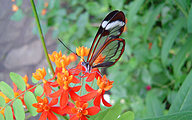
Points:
157	55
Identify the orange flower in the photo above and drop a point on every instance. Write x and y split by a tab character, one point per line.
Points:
64	79
81	111
82	51
55	56
62	62
43	12
40	74
100	59
46	4
104	84
150	45
25	78
73	57
15	8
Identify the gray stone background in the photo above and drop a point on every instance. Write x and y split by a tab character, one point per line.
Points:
20	50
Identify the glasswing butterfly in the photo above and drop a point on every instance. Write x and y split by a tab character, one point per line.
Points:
107	42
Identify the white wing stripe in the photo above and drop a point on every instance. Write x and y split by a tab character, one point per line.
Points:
113	24
104	23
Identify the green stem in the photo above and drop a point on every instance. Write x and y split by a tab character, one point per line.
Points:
41	35
81	87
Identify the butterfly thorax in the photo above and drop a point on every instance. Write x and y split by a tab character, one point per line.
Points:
87	66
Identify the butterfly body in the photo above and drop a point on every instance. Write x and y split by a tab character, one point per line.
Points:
107	46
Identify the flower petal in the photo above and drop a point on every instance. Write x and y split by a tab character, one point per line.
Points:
93	110
88	96
67	109
54	101
74	96
84	118
105	102
43	116
88	88
97	100
75	80
74	118
47	89
64	99
56	94
91	77
57	110
51	116
76	88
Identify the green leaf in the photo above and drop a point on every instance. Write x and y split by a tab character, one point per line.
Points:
169	40
18	110
29	99
17	16
184	96
81	23
182	4
127	116
8	113
2	101
151	21
181	57
39	90
153	105
171	96
134	7
188	108
189	23
1	117
110	114
18	80
155	66
117	4
145	76
93	8
6	89
176	116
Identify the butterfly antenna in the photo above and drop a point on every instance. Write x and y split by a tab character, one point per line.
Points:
68	48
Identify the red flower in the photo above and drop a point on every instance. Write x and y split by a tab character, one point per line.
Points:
104	85
47	109
150	45
148	87
80	111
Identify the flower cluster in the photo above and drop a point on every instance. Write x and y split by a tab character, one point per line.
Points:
64	88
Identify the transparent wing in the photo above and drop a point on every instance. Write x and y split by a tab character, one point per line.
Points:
111	28
109	54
